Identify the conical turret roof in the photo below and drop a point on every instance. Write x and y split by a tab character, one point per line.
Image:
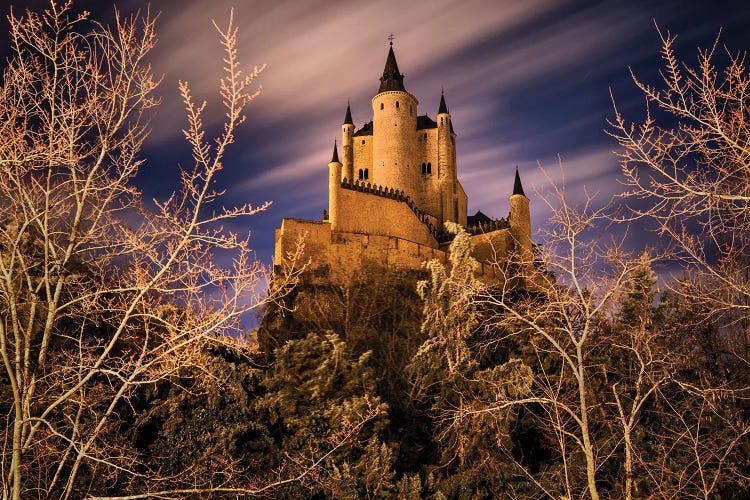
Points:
443	108
335	158
348	117
517	187
392	79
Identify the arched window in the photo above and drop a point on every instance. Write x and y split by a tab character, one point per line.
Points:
361	174
429	167
367	173
363	141
424	168
396	104
382	105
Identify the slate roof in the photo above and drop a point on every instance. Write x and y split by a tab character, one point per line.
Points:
477	218
517	187
392	79
424	121
365	130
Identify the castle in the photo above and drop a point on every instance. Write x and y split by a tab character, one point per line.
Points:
392	191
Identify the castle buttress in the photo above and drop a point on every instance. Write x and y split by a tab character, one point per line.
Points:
393	192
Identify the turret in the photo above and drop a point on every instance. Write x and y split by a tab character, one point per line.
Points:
519	221
347	134
334	188
447	163
394	144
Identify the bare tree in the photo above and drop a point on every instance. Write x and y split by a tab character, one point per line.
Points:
100	294
689	170
617	392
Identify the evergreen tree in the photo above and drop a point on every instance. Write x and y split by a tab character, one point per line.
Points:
452	385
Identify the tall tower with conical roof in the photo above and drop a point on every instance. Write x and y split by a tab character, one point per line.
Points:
519	221
394	120
347	133
334	188
447	165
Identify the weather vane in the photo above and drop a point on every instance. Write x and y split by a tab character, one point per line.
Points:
390	38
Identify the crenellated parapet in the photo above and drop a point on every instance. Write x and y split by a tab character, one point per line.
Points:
488	227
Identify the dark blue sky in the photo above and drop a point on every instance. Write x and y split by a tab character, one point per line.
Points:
524	80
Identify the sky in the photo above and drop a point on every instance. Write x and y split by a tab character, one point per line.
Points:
526	82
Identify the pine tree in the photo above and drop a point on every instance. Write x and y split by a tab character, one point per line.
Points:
452	385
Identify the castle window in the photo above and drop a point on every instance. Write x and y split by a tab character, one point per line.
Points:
429	168
425	136
382	106
361	174
363	141
396	104
424	168
367	173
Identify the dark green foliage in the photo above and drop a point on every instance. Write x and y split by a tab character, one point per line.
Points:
451	379
205	422
394	394
321	402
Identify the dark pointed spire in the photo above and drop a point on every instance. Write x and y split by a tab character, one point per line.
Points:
517	187
335	158
391	79
348	117
443	108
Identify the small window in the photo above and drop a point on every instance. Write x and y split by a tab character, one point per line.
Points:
361	175
425	136
424	168
382	106
396	104
363	141
367	173
429	167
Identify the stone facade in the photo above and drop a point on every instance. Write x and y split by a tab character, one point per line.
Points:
393	192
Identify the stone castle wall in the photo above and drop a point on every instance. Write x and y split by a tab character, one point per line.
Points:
334	257
364	208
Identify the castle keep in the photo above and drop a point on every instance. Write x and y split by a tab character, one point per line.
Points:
393	189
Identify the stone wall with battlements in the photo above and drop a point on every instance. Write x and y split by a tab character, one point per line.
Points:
334	257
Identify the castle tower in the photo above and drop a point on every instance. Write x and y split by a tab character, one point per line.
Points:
394	145
334	188
519	221
347	133
447	164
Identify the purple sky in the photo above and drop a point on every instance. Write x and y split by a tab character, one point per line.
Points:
524	80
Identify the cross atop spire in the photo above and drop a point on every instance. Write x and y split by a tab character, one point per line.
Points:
390	38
